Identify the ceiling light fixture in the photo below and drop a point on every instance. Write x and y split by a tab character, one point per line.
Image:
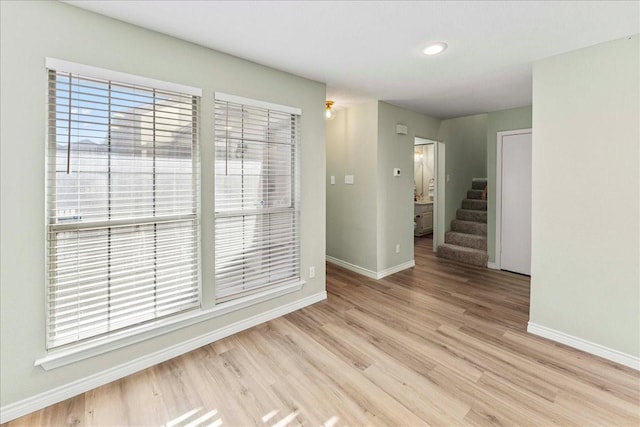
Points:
329	114
435	48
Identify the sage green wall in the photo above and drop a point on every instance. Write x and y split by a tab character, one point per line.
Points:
31	31
585	278
366	220
352	142
498	121
395	194
465	140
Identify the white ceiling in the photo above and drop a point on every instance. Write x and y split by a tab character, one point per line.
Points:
372	50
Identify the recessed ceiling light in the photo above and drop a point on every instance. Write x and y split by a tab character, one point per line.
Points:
435	48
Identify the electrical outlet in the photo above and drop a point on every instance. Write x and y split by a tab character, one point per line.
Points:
312	272
398	248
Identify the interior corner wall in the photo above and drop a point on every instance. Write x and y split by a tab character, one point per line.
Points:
366	220
585	279
352	149
465	140
395	193
31	31
499	121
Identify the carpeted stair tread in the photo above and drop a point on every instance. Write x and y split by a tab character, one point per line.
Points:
471	215
478	183
467	240
479	205
469	227
462	254
474	194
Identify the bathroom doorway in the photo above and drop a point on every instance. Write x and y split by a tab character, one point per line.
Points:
428	190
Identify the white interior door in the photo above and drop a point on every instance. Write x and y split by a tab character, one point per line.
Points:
515	245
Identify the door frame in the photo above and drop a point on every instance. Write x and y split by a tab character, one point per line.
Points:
498	193
438	193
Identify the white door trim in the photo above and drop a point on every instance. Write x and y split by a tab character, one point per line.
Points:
498	191
439	198
438	194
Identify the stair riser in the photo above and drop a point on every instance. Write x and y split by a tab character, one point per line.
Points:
474	194
478	184
480	205
467	240
471	215
477	228
468	258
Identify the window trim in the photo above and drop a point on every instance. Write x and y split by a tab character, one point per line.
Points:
295	193
105	74
221	96
94	347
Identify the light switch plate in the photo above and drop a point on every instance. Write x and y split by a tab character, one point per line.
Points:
348	179
333	180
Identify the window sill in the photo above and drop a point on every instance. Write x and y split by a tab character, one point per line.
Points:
61	357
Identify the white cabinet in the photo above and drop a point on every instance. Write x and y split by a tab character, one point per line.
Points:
423	218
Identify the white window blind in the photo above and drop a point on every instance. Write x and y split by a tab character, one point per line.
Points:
256	206
122	206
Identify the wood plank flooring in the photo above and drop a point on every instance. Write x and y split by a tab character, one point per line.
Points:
441	344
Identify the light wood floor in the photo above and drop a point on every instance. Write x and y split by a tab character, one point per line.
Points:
440	344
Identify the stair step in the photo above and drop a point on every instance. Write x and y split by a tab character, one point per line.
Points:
471	215
478	183
474	194
467	240
480	205
462	254
469	227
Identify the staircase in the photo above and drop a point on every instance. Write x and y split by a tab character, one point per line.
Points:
467	240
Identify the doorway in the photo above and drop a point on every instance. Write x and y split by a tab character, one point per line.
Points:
513	201
429	190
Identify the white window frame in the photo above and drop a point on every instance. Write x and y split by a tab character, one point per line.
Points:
296	113
159	323
67	355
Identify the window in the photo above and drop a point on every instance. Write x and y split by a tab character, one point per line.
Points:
122	203
256	206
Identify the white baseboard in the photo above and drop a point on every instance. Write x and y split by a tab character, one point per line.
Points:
395	269
493	266
584	345
26	406
370	273
352	267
